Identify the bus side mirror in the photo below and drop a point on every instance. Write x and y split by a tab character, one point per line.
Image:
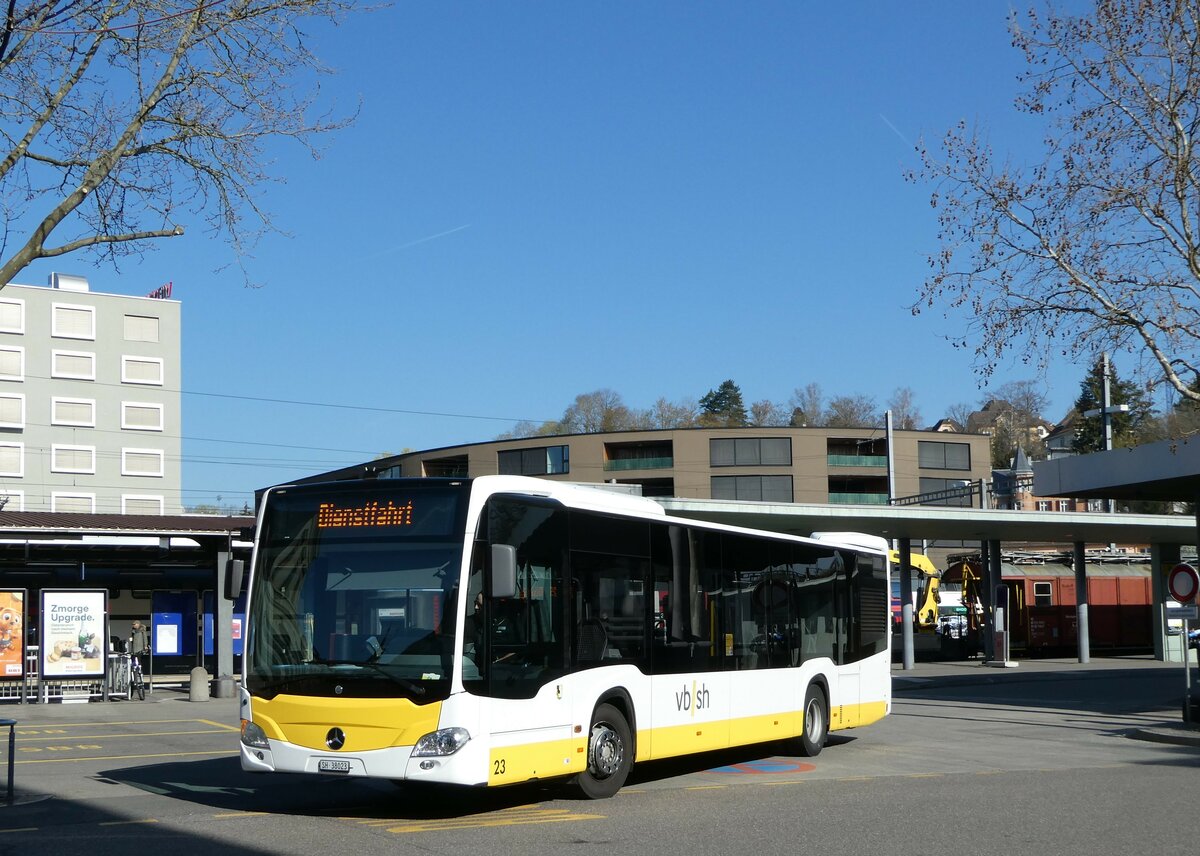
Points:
234	571
504	570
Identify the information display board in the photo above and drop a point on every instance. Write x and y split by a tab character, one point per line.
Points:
74	633
12	633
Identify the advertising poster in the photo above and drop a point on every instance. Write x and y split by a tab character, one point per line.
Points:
12	633
74	638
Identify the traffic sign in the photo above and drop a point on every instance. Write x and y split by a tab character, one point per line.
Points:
1182	583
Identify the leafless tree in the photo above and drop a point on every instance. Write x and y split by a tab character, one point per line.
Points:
595	413
123	120
808	406
668	414
766	413
853	411
905	415
1097	245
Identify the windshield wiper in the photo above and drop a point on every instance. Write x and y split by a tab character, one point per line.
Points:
378	669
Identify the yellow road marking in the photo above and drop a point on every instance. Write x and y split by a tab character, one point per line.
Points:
20	829
224	725
120	757
41	727
235	814
524	816
114	736
126	822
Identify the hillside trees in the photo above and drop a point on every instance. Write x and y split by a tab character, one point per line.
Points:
1095	245
123	122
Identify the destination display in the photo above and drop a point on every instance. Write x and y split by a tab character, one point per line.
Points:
368	515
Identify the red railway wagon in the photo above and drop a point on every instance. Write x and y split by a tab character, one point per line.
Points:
1042	605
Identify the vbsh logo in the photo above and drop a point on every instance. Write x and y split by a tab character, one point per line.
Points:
693	699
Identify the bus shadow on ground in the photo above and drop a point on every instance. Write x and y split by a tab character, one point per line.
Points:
222	784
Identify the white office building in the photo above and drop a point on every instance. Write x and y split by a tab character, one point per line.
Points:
89	400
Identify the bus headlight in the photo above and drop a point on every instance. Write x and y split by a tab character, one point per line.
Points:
254	736
446	741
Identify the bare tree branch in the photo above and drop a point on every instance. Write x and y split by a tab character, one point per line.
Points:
1096	247
122	119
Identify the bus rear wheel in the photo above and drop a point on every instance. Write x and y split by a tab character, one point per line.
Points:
816	722
609	754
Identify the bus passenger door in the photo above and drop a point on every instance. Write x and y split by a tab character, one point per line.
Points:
521	653
844	706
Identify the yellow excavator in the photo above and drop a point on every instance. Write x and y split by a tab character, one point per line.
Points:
927	599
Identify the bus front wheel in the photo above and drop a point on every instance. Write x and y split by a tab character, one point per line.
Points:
816	722
609	754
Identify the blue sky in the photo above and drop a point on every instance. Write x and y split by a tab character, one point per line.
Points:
541	199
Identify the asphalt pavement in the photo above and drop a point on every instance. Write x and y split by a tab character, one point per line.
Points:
924	676
1123	674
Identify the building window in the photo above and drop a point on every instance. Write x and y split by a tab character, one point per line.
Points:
73	459
73	503
1043	594
80	412
12	460
141	328
750	452
12	363
141	416
1064	505
933	455
1043	505
142	462
12	410
959	493
73	322
142	370
539	461
75	365
1095	505
753	488
12	316
12	500
133	504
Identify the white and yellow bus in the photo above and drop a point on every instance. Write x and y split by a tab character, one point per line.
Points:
506	629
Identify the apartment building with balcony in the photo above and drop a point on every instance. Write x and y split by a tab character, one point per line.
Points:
806	465
89	400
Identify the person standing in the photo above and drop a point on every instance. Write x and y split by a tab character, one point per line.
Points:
139	639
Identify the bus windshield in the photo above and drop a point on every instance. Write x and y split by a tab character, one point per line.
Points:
353	591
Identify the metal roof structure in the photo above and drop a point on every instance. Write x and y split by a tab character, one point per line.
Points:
1168	470
46	524
934	523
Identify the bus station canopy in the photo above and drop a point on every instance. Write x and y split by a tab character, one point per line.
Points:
917	522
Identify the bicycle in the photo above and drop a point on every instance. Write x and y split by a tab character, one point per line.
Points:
137	684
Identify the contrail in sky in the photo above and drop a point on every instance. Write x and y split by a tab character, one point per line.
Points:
424	240
895	130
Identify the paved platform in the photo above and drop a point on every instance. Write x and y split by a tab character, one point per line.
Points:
926	675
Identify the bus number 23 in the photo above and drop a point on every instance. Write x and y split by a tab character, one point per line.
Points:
498	767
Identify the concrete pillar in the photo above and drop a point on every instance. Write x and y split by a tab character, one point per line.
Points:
223	631
1163	557
906	601
1081	603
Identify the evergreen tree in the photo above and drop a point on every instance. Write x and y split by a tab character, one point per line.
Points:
723	406
1128	428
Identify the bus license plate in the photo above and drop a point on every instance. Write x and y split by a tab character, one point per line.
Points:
331	766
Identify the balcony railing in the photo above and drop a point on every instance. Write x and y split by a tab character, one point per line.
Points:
858	460
858	499
622	464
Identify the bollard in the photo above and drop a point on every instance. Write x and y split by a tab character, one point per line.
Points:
198	688
12	748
